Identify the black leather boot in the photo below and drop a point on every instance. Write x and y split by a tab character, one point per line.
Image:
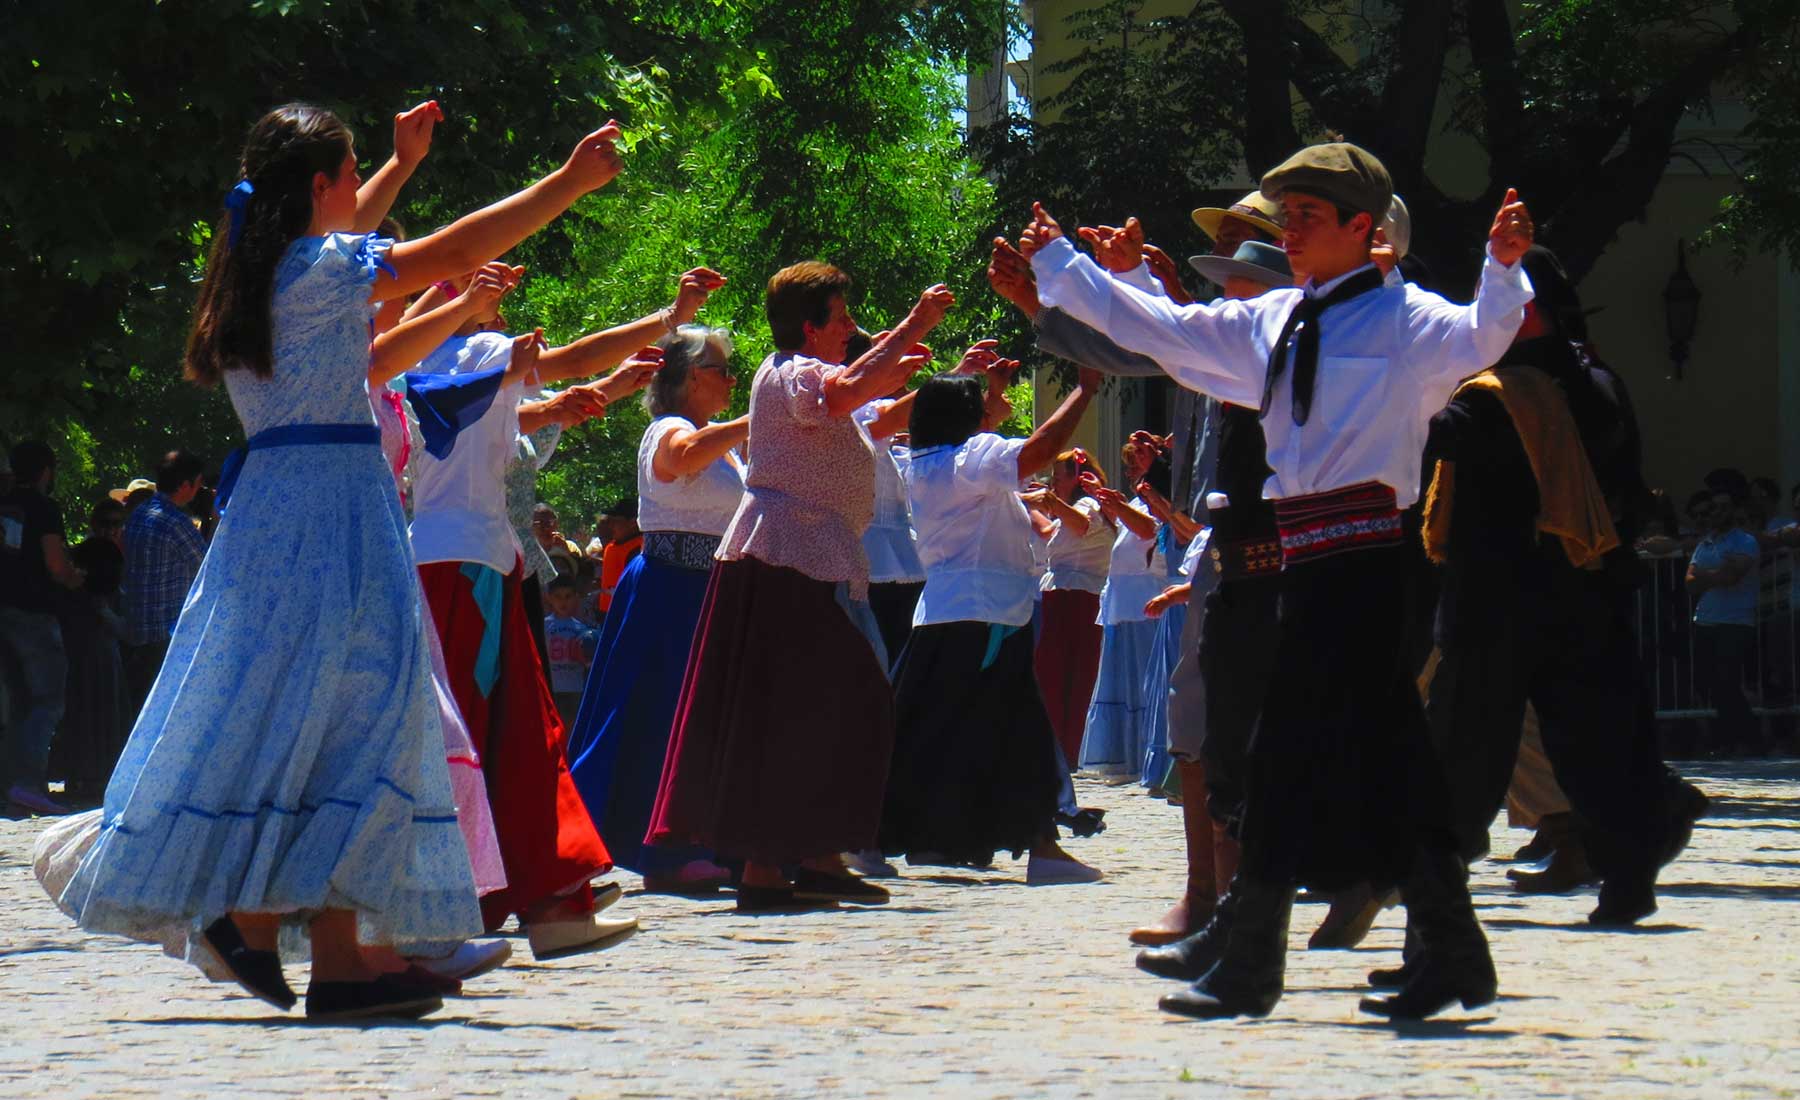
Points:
1410	960
1189	958
1248	978
1454	964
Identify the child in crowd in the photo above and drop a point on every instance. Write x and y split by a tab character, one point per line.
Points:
571	647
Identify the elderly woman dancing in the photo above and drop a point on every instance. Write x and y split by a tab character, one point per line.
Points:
690	481
781	740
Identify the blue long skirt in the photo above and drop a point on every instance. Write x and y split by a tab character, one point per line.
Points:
1113	743
1165	654
621	732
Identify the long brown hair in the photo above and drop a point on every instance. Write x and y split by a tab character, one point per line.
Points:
232	328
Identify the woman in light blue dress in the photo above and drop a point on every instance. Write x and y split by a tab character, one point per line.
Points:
288	767
1114	741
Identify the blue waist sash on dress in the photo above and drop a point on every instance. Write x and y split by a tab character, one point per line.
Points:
288	435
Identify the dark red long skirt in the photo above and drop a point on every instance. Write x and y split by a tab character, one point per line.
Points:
780	746
1068	663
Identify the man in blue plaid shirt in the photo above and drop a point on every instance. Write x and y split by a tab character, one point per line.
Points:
163	549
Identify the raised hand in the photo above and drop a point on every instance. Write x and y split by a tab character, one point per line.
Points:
579	404
916	359
980	356
1042	230
636	372
696	287
1116	249
491	283
1512	232
523	363
1163	266
596	161
412	132
1009	273
934	303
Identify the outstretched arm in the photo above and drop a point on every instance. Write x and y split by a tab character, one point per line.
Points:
685	452
1115	507
1209	348
887	365
412	140
602	350
398	349
476	238
1449	342
1044	444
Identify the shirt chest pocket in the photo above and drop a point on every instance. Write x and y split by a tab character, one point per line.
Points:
1350	386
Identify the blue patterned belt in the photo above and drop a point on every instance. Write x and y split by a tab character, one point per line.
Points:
684	549
288	435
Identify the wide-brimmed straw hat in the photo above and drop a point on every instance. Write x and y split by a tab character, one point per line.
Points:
1263	213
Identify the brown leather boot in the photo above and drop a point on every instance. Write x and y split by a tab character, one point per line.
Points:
1195	908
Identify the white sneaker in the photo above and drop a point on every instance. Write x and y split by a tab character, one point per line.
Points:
556	939
1043	871
469	960
869	864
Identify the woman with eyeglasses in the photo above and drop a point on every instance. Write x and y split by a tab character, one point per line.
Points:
690	480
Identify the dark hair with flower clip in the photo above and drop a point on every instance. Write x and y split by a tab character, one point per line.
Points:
266	212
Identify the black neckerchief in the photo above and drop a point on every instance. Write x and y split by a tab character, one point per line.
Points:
1305	318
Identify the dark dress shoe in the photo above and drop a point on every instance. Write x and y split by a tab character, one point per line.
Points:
1393	977
1569	870
1190	957
259	972
390	997
434	983
1623	904
1251	973
777	899
1435	987
810	885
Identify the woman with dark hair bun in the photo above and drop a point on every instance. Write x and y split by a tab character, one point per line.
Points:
975	767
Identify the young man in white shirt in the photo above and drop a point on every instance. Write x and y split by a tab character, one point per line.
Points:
1343	785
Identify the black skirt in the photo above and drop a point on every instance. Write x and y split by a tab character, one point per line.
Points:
974	769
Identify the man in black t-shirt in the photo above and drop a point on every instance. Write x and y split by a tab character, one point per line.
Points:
34	569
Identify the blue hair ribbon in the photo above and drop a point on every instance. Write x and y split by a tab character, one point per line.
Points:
235	200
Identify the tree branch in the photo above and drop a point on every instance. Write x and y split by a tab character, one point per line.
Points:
1409	97
1269	133
1496	61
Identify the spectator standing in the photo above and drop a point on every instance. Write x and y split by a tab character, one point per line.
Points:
623	543
95	717
1722	580
34	567
571	644
163	550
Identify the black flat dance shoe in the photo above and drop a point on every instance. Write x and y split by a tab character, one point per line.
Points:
1394	977
391	997
259	972
810	885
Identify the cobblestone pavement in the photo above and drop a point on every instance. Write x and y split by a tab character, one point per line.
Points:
974	984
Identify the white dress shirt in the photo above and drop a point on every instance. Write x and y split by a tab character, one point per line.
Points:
702	503
459	501
974	535
1388	361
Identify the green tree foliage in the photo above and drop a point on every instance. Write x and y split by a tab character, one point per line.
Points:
759	134
1576	102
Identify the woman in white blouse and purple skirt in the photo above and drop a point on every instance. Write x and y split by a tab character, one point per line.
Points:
779	751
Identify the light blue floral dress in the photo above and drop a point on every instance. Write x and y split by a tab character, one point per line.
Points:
289	758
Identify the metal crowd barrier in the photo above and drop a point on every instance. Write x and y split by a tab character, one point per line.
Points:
1665	635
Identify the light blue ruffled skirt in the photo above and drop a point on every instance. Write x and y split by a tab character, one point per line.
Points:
289	758
1113	742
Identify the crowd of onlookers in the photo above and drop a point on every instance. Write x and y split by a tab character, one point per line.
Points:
1718	620
87	606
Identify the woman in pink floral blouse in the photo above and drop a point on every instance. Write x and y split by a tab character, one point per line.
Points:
781	740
